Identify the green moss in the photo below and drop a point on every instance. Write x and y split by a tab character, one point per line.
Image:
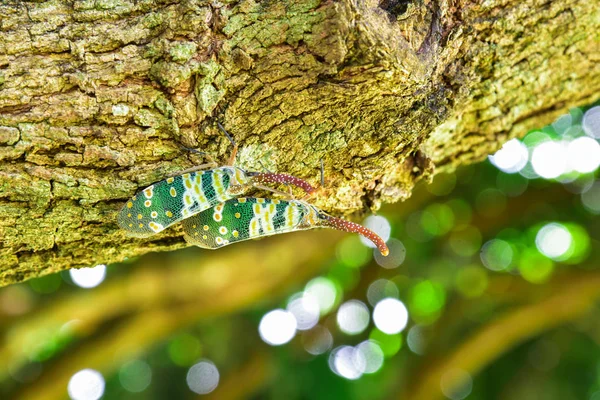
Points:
170	74
302	7
9	135
152	20
329	141
108	4
152	50
209	69
355	95
182	52
273	33
208	97
149	118
165	106
301	24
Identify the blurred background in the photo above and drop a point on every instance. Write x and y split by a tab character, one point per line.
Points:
491	291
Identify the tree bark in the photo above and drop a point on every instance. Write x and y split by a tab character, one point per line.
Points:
97	99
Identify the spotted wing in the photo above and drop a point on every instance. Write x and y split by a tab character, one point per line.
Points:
169	201
241	219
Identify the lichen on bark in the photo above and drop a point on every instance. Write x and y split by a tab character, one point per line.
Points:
97	100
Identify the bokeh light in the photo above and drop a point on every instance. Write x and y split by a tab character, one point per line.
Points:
583	155
581	184
352	253
353	317
471	281
305	308
549	159
465	242
534	267
317	340
553	240
389	344
427	300
562	123
203	377
512	157
535	138
184	349
347	362
463	212
371	352
379	225
456	384
87	384
46	284
574	131
496	254
591	122
528	173
88	277
390	316
381	289
324	291
415	339
437	219
591	198
135	376
395	258
580	244
343	277
277	327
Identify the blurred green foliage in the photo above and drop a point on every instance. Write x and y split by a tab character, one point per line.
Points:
467	250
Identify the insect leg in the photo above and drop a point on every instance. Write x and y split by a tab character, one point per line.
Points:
211	161
268	178
268	189
231	159
322	174
316	190
286	184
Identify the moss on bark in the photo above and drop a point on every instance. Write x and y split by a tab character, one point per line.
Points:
97	98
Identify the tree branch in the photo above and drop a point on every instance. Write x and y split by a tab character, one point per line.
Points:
95	103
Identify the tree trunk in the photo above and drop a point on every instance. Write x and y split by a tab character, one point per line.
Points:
97	99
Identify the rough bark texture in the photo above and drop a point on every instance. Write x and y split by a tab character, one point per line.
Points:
97	98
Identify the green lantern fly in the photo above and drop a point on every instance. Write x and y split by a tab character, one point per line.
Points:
179	197
244	218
